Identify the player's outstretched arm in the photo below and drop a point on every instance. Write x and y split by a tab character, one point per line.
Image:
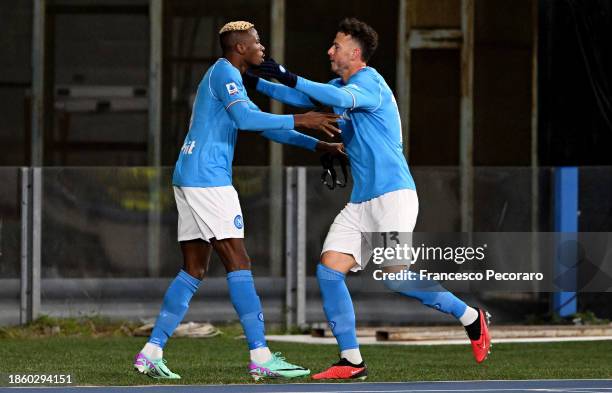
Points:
326	93
248	117
231	92
318	121
346	97
291	137
277	91
295	138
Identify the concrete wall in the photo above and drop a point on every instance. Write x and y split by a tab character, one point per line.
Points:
101	48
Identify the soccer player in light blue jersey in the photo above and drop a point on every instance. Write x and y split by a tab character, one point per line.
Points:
209	211
384	195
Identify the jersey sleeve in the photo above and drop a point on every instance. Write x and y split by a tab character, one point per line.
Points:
291	137
226	86
366	91
288	137
362	92
284	94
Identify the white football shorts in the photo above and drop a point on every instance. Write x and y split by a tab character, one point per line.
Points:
204	213
394	211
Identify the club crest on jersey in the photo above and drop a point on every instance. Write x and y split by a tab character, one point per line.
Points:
238	221
231	88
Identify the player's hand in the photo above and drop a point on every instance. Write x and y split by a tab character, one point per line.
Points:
271	69
334	149
318	121
329	176
249	79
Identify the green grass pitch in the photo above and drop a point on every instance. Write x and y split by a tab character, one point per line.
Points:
223	360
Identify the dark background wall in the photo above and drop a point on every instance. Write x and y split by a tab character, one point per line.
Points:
311	28
92	46
503	82
15	79
94	42
575	82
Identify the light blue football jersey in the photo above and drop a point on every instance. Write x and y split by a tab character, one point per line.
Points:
205	160
372	135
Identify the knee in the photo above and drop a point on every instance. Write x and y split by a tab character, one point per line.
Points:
326	258
338	261
198	272
326	273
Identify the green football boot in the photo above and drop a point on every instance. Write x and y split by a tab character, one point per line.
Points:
276	367
153	368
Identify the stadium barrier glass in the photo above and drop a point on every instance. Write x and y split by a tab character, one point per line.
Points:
595	204
98	232
97	222
100	239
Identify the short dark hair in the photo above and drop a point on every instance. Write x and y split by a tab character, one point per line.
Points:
225	39
229	39
364	34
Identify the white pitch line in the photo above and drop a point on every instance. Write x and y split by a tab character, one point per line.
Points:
543	389
571	390
307	339
575	389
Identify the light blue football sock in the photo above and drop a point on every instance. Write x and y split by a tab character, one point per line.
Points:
431	294
338	307
441	301
247	305
174	307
